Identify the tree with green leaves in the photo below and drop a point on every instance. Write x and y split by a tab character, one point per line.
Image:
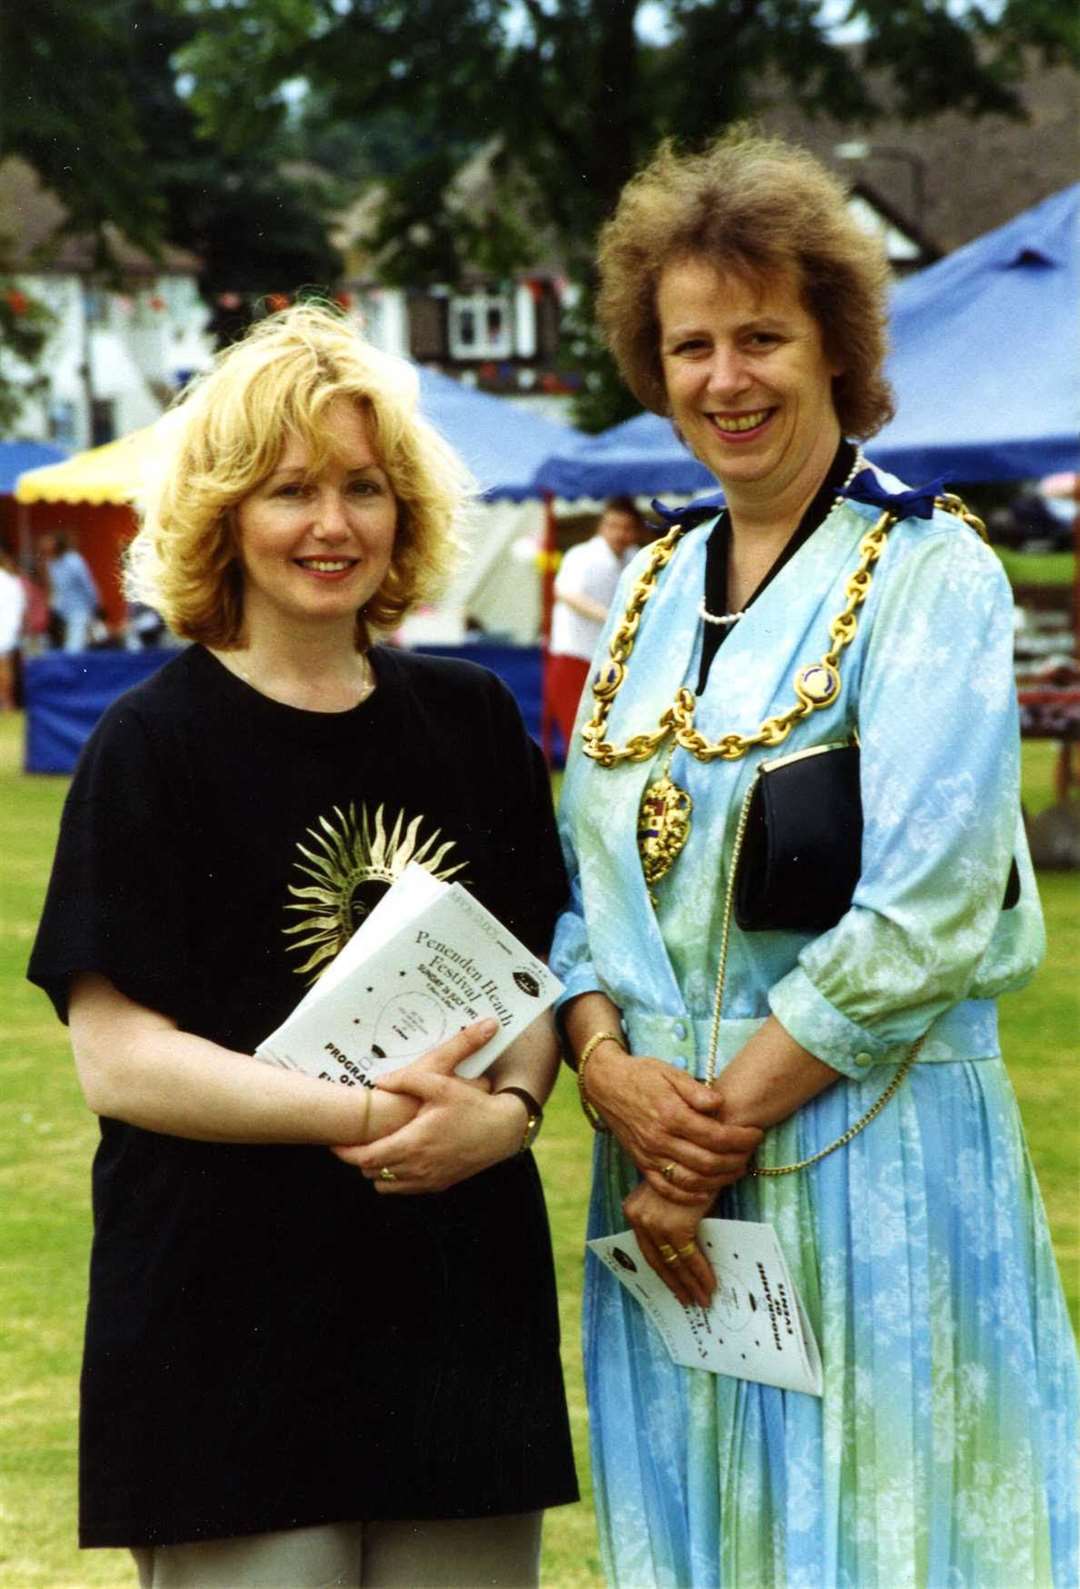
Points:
66	107
578	92
82	142
25	324
93	99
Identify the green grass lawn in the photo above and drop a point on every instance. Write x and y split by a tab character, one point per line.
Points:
48	1139
1038	568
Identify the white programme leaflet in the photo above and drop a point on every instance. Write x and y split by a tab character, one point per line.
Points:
755	1327
431	961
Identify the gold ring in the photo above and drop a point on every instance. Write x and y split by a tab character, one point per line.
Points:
666	1250
673	1259
387	1175
689	1250
668	1172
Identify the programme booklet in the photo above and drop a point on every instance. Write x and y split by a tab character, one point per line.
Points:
754	1328
427	961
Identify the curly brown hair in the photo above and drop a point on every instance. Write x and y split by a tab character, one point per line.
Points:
756	207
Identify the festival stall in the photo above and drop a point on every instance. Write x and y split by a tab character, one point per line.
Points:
88	498
986	370
985	361
16	457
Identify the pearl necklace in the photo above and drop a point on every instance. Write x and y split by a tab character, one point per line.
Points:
724	620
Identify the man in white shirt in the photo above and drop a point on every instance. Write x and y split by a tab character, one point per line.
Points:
584	587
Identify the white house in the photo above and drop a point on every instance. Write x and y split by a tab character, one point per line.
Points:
120	350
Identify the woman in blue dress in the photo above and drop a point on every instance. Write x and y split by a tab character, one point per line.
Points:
826	605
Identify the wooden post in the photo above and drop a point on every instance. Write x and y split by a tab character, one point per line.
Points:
549	555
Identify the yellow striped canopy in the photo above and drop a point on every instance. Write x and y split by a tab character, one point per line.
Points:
104	474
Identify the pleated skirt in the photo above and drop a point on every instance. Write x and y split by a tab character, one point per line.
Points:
944	1452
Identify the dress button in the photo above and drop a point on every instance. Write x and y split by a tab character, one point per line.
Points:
864	1059
681	1031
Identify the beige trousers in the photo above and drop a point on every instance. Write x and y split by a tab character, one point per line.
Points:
466	1553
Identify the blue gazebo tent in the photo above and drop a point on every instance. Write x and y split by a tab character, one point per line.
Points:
503	443
986	361
16	457
641	457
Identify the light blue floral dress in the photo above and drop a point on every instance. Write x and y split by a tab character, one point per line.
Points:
944	1450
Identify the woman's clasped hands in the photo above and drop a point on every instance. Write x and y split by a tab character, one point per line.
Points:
669	1124
672	1127
450	1128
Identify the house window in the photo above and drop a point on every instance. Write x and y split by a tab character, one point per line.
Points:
62	423
96	306
481	326
102	421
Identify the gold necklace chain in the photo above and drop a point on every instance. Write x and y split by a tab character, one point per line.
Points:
665	811
366	687
664	815
816	684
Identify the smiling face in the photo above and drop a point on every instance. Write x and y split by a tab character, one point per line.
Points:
316	547
748	380
618	529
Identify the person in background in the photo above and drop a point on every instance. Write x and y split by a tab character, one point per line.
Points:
299	1370
12	614
145	629
74	599
584	587
36	618
851	638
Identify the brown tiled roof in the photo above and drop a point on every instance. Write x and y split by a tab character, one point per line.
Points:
978	172
32	236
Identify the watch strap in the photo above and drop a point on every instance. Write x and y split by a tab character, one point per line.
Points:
534	1113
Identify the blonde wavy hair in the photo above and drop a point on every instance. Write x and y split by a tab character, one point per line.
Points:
224	437
756	207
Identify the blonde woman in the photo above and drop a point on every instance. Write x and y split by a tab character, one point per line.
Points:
298	1369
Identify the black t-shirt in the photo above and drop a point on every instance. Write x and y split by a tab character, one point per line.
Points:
269	1344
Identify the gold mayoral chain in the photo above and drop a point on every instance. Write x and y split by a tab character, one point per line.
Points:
663	824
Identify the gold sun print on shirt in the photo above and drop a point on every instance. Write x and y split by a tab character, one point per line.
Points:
351	860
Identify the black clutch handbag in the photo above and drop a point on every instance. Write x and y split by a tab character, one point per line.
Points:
801	850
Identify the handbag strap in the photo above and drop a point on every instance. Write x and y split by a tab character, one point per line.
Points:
853	1130
950	504
718	1000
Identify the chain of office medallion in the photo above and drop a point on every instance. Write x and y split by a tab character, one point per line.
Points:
678	718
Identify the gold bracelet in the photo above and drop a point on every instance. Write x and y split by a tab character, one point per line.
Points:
584	1057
